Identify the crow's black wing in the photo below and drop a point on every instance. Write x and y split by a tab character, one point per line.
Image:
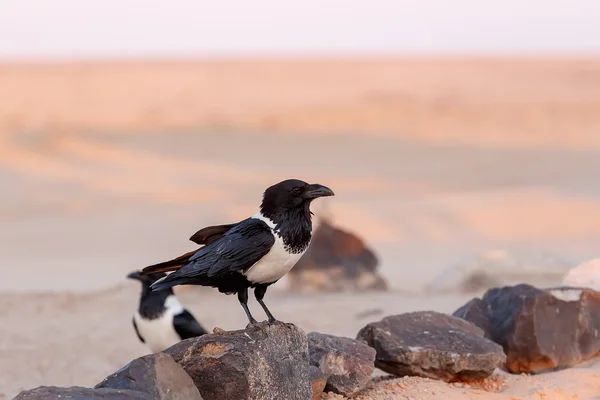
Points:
186	325
237	250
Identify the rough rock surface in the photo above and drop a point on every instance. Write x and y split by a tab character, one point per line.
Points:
475	311
318	380
80	393
584	275
497	268
158	375
349	363
433	345
336	261
539	329
265	361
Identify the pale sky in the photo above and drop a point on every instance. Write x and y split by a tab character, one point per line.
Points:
109	28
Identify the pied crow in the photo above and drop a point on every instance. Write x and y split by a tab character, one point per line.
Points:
160	320
253	253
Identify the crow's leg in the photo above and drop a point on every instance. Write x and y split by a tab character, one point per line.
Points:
243	298
259	292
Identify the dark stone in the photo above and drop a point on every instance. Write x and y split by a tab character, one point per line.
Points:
158	375
336	261
539	329
348	362
80	393
318	380
433	345
264	361
475	311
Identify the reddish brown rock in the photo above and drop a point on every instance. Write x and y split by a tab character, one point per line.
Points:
318	380
348	363
336	261
433	345
539	329
265	361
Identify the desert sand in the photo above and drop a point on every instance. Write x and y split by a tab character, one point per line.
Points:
489	101
108	167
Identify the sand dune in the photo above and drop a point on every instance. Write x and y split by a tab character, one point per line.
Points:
553	102
100	199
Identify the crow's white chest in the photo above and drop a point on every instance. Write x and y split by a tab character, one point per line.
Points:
276	263
159	333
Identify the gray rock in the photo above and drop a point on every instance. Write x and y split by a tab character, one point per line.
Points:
158	375
476	312
80	393
349	363
433	345
318	380
540	330
265	361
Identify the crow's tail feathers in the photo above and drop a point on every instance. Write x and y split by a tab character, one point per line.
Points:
169	266
164	283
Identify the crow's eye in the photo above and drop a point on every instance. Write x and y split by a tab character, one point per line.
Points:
296	191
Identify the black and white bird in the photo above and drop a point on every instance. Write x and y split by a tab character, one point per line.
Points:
160	320
253	253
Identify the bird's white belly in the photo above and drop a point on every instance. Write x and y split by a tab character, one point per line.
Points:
274	265
159	334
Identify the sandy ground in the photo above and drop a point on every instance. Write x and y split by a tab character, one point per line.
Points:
110	167
84	209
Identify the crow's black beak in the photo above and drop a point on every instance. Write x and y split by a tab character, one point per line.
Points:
135	275
315	190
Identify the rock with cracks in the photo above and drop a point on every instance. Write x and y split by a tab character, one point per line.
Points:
264	361
348	363
539	329
433	345
80	393
158	375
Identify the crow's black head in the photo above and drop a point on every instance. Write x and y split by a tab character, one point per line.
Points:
290	194
287	205
149	298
